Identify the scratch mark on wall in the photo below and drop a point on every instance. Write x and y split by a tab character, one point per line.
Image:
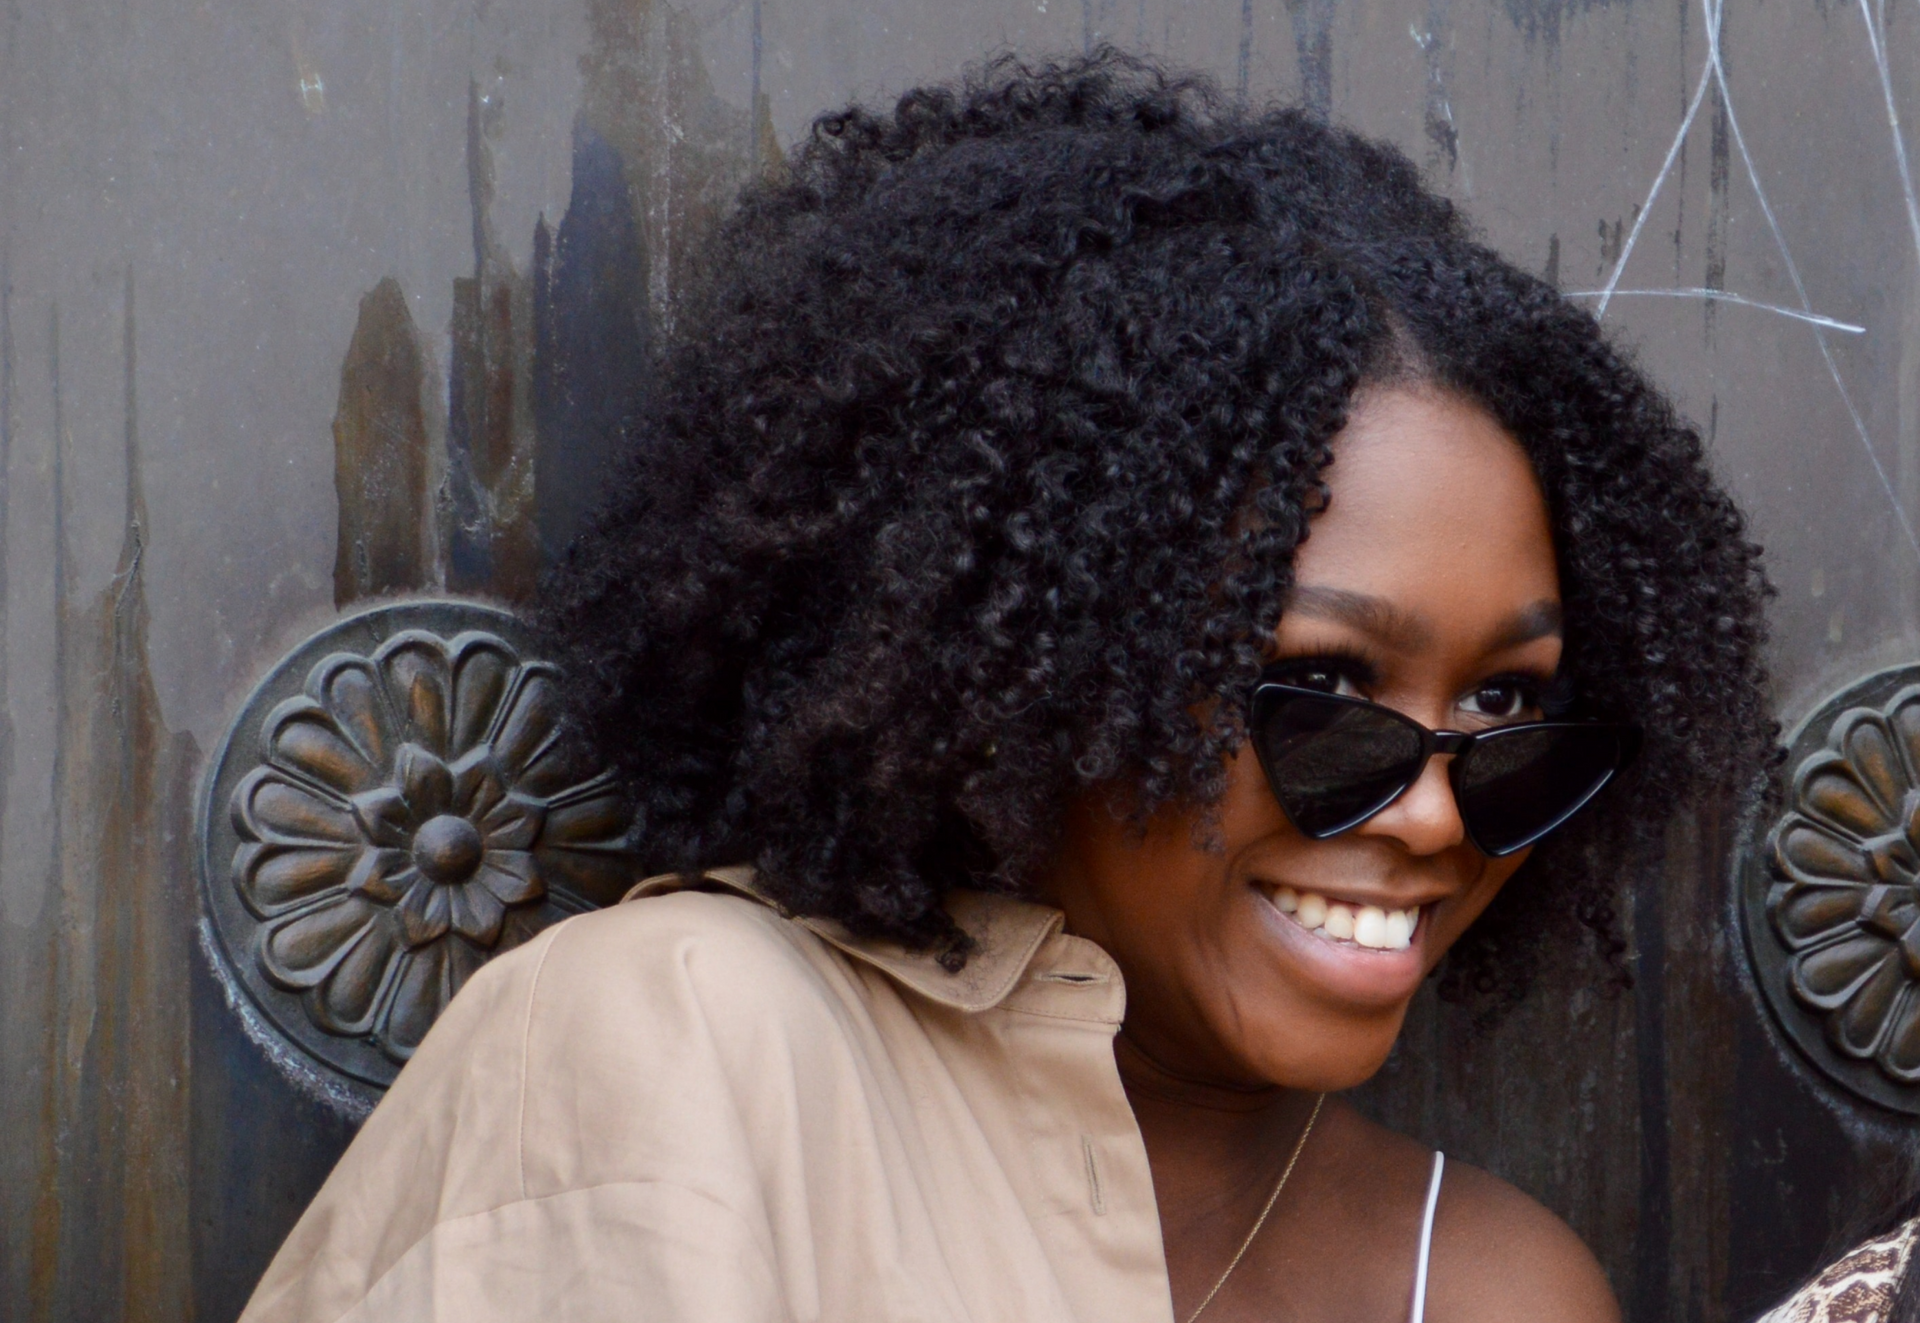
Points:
1713	74
1713	10
1724	296
1659	181
1875	40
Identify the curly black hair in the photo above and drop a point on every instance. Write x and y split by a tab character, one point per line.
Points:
977	467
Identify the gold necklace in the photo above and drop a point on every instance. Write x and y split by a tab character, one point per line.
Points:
1261	1220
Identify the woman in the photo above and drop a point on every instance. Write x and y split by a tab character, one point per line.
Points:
1872	1282
1073	509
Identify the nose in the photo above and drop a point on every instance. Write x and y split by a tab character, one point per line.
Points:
1426	819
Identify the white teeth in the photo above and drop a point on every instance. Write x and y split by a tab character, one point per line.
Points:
1339	922
1399	930
1312	912
1371	926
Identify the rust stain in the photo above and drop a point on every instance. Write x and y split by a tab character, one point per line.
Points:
490	537
548	367
383	454
109	1239
685	149
44	1251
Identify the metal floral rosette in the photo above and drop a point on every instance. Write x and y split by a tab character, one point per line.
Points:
395	805
1832	905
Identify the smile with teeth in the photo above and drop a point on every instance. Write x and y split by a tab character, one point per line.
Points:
1360	925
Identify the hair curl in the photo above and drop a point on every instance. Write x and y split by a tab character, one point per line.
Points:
941	513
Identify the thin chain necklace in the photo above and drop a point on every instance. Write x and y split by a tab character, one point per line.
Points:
1261	1220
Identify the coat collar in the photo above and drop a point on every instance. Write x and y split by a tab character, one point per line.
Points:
1007	933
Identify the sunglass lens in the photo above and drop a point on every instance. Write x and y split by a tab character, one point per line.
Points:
1331	762
1516	786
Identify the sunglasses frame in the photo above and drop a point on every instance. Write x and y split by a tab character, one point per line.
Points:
1454	742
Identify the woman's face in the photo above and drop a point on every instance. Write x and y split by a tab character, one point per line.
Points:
1428	584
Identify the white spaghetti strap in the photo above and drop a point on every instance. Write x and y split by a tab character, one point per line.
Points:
1426	1240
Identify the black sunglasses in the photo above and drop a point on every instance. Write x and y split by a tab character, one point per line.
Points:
1334	762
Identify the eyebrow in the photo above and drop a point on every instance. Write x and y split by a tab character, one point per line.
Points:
1400	630
1541	620
1403	631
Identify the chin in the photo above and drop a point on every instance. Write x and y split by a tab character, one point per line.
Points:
1328	1054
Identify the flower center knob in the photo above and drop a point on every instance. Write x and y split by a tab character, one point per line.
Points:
447	849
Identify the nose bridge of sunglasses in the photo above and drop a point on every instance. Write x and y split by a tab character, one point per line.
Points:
1334	761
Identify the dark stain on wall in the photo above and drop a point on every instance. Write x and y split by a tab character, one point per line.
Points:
109	1240
547	369
1719	178
592	330
1542	20
1313	47
1436	45
382	454
489	538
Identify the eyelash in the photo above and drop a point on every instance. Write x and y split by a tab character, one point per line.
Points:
1551	696
1341	663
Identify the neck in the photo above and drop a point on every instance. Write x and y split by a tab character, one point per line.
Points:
1215	1148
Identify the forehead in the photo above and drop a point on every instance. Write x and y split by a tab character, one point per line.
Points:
1432	505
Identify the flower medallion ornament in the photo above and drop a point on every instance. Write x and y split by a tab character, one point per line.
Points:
1833	902
395	806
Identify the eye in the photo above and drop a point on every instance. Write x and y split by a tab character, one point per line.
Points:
1505	698
1347	676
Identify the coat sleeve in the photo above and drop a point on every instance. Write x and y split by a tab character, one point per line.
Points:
454	1203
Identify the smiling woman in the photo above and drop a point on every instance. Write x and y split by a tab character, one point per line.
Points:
1116	591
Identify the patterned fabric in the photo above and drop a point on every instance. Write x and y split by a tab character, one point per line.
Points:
1856	1288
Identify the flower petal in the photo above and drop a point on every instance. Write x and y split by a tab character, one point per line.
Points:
1802	913
512	875
1829	788
420	994
346	687
384	818
300	950
477	783
1807	851
1824	978
514	823
528	741
348	1001
383	875
272	877
419	679
424	914
599	875
526	923
476	914
1869	749
268	807
1899	1053
1856	1029
1903	719
302	737
424	780
463	962
597	813
483	671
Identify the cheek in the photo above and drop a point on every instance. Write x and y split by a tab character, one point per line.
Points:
1459	914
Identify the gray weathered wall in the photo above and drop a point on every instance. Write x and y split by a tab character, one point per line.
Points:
274	282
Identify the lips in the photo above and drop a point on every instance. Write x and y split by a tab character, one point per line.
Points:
1369	926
